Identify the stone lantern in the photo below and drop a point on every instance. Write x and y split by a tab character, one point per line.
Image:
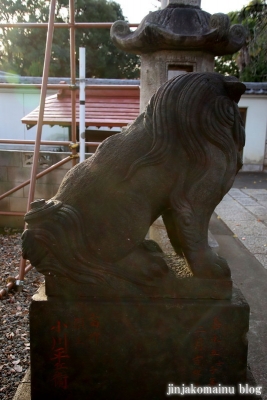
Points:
175	40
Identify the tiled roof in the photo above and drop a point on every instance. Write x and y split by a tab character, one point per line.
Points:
35	80
106	105
256	88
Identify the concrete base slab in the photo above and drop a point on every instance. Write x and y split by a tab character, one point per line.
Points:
24	390
250	276
252	168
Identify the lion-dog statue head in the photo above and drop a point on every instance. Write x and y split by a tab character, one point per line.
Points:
177	159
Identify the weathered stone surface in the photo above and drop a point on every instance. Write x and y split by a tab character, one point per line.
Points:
186	2
177	160
156	68
134	349
172	288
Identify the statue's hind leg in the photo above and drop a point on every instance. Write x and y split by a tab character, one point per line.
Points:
169	221
187	226
192	237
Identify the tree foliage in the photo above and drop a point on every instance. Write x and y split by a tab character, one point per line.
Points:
22	50
250	63
252	59
226	65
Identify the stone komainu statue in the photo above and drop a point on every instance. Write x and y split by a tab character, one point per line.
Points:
177	159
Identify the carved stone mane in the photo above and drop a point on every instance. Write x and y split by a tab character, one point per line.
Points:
181	104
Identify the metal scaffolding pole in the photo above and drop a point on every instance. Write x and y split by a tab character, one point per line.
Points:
49	39
73	79
82	102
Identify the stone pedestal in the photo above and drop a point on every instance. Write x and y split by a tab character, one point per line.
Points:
131	348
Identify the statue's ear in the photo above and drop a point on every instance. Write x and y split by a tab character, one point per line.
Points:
234	89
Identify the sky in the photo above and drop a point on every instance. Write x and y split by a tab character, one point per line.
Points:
136	10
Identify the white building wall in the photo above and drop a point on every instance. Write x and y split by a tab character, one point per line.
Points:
14	105
256	130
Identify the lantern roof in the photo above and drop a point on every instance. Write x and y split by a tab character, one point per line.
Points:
180	26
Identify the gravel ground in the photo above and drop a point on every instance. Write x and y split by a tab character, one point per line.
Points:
14	317
178	265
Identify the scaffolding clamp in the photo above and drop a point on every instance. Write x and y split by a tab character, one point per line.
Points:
73	146
73	87
19	285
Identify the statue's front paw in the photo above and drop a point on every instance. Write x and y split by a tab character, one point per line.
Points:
211	266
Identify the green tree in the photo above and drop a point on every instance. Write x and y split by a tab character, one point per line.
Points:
250	63
22	50
226	65
252	58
